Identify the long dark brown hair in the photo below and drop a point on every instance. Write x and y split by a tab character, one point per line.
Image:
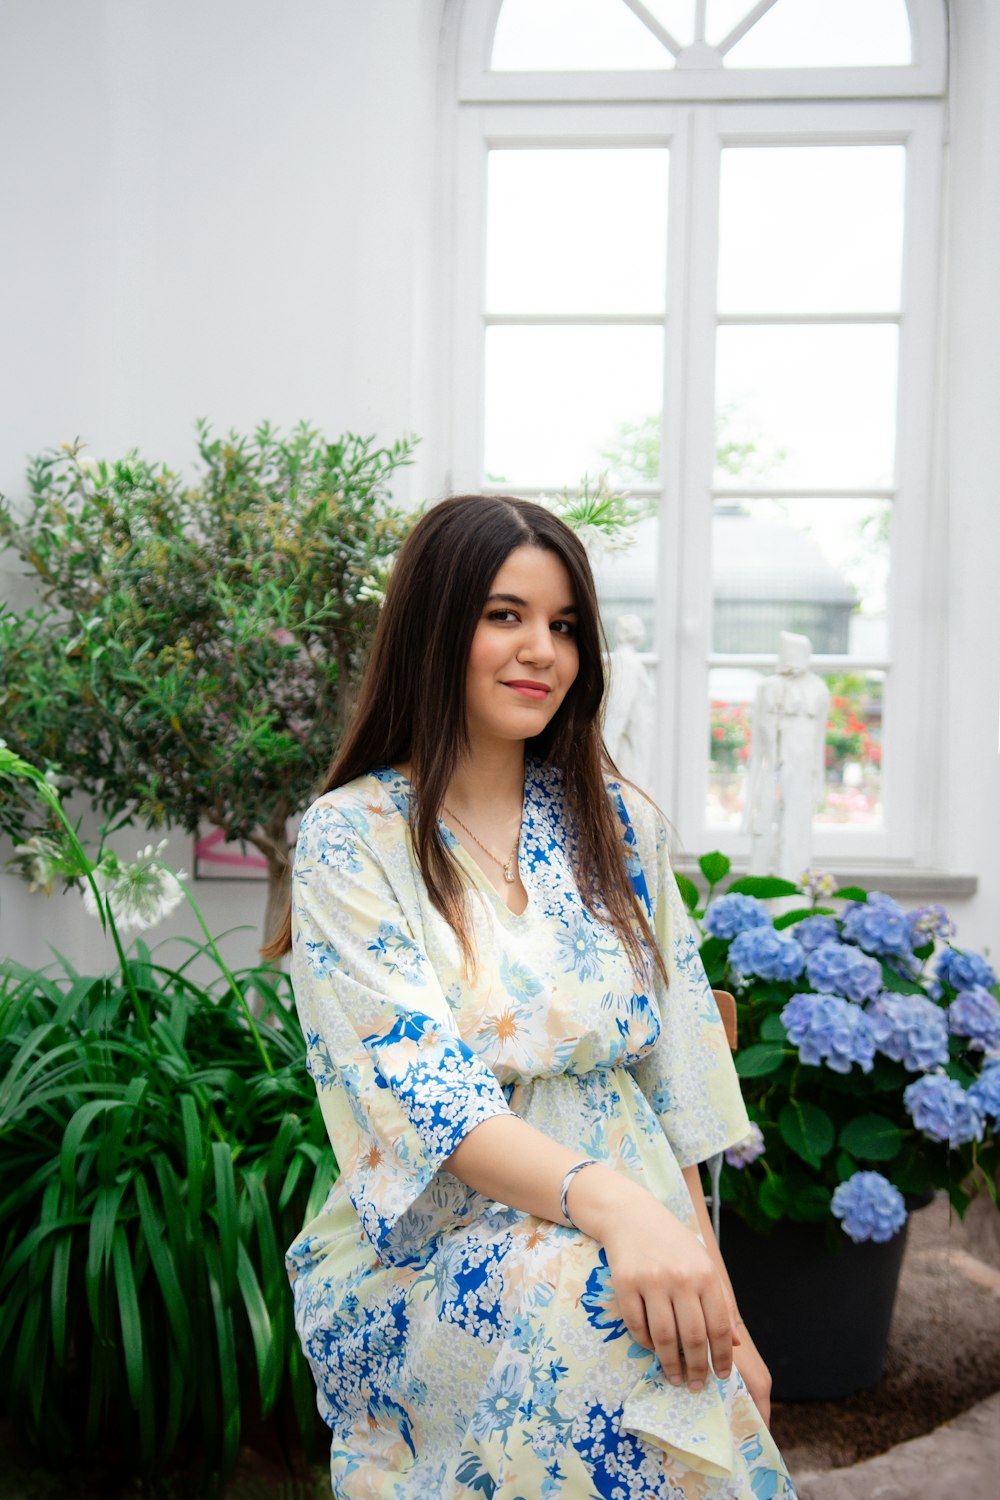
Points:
411	705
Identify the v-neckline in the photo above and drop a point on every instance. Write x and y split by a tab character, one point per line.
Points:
477	875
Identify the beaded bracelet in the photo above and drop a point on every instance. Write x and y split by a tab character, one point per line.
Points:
589	1161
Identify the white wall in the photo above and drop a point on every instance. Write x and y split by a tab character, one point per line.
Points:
230	208
968	799
220	208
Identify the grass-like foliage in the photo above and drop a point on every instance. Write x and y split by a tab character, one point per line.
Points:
152	1169
160	1145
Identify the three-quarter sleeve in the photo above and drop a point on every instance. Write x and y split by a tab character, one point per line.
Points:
688	1077
398	1086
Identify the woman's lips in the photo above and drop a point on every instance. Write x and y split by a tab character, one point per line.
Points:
534	690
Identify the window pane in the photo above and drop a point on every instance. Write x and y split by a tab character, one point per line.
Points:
573	34
577	231
626	585
826	34
558	399
816	567
676	16
811	229
853	794
721	16
808	407
854	749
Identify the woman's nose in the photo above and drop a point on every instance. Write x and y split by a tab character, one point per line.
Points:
537	645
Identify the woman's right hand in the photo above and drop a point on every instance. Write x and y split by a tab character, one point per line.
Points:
670	1294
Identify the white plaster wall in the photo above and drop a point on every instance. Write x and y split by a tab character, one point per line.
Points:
968	494
230	208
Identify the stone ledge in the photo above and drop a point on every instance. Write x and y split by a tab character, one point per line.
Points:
895	878
960	1458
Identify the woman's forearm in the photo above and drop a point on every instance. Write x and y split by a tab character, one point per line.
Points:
507	1159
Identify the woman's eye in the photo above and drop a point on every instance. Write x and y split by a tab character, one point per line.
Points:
564	627
501	614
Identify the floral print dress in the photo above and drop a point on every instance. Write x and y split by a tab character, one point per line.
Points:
462	1348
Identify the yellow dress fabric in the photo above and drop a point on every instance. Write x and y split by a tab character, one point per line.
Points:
462	1348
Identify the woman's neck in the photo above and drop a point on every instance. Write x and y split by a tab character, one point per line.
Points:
489	777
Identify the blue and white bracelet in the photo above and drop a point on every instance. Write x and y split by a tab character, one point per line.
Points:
589	1161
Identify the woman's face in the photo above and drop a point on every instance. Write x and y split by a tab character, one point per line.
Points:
524	656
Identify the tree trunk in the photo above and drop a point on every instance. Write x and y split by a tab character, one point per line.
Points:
272	841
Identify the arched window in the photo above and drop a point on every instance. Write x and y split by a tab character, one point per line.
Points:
697	249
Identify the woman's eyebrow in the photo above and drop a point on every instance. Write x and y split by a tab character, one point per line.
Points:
567	609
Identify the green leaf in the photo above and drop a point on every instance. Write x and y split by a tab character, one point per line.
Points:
807	1130
225	1199
772	1029
773	1198
261	1331
128	1314
899	984
714	867
759	1060
165	1271
792	918
872	1138
811	1204
850	893
845	1165
764	887
688	890
226	1354
194	1158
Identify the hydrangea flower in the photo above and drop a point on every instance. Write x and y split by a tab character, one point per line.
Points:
767	953
828	1029
869	1207
812	931
975	1014
748	1149
727	916
909	1029
844	971
928	923
961	970
816	883
878	925
985	1092
941	1108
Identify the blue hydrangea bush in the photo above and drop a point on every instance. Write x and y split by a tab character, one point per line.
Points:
869	1052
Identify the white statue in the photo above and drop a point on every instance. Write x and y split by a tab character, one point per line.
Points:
787	762
628	712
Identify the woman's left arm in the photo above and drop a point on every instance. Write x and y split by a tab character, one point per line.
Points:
756	1376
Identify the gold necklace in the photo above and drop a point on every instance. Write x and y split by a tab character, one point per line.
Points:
506	865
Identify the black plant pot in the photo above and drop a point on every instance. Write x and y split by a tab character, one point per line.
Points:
819	1316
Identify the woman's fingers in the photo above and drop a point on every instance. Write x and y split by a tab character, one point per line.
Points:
666	1340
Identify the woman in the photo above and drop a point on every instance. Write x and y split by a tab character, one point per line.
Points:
513	1289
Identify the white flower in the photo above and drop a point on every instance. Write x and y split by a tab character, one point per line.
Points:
39	860
139	894
89	465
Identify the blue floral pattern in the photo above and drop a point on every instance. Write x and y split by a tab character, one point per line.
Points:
462	1348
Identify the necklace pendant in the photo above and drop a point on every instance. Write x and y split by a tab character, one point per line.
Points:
508	874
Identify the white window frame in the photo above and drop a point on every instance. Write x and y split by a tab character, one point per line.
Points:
682	111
